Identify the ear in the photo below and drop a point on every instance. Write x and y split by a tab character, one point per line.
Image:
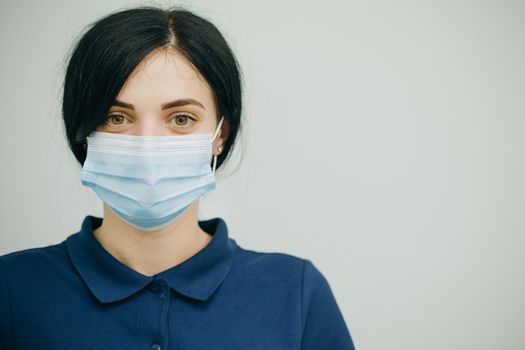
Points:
222	136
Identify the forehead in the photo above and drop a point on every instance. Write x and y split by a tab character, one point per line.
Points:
163	76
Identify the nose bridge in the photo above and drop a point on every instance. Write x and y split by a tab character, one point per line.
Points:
151	125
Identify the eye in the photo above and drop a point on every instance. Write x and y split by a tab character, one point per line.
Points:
115	120
183	121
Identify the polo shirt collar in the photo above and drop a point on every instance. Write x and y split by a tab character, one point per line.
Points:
111	280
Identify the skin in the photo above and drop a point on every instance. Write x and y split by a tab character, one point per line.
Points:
162	77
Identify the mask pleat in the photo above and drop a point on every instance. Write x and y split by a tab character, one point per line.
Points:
148	180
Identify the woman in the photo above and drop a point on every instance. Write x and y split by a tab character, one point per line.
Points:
152	107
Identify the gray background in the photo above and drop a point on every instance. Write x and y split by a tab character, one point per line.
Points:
383	140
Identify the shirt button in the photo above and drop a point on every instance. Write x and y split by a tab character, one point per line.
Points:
154	288
155	347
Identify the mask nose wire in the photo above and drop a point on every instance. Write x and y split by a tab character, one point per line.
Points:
213	139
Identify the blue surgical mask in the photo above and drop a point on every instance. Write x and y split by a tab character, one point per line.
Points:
149	181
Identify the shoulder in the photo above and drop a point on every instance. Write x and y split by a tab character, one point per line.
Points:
270	261
21	274
278	265
288	269
34	262
44	253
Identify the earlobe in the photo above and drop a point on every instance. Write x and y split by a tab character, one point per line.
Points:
217	150
221	134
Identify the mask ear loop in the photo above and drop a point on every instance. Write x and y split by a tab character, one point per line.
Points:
213	139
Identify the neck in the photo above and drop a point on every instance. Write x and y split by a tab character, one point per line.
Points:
151	252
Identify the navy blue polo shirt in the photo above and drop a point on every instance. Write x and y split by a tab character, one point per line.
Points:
75	295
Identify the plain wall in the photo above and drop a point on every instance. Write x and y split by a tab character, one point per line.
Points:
384	141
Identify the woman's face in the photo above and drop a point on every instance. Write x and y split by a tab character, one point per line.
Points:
163	96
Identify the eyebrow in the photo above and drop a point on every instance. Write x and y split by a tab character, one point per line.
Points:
171	104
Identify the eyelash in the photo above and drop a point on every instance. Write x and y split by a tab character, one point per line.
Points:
190	118
109	117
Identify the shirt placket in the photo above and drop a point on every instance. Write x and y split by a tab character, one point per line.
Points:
154	314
